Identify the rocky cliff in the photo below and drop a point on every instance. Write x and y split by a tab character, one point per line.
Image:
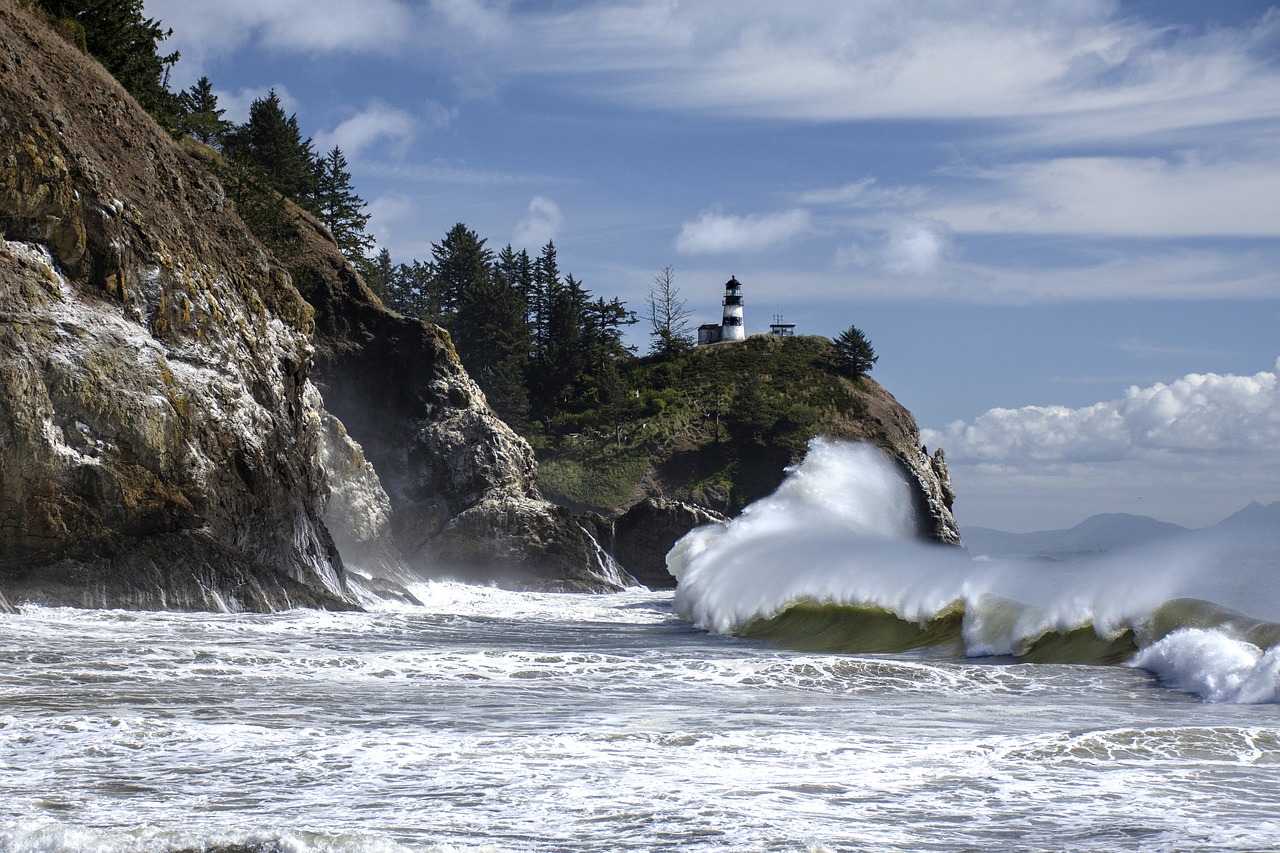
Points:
715	429
161	441
461	485
158	445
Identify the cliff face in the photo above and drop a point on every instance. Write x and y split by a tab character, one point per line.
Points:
715	430
158	447
461	484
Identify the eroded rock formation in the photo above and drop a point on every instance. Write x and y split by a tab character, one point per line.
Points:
157	446
462	485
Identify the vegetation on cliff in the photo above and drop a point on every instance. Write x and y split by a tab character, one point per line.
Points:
712	424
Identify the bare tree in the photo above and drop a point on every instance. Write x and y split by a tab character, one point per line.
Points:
668	316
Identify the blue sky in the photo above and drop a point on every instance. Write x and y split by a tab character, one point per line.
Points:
1058	222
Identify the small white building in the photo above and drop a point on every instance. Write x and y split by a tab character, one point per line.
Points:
731	327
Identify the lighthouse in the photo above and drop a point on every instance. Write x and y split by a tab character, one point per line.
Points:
731	325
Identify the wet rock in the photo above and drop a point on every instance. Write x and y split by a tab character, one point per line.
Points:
158	447
644	534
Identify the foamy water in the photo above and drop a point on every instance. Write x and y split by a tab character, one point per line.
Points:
497	721
505	721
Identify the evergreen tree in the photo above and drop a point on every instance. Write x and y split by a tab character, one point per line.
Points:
379	273
494	338
271	146
546	280
602	328
200	116
127	43
563	357
408	288
339	208
461	263
516	269
854	353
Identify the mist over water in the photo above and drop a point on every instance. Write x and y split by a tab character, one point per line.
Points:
834	548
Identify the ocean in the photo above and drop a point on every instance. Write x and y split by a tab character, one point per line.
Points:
819	682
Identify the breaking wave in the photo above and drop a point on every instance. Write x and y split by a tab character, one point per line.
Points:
829	563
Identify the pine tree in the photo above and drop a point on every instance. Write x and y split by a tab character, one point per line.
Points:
546	280
563	358
127	43
854	353
494	338
200	117
379	273
271	145
461	263
339	208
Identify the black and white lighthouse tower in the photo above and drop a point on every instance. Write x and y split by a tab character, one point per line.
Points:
731	325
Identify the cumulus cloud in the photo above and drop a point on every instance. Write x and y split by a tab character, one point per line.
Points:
906	248
377	123
716	233
1198	416
1190	451
540	224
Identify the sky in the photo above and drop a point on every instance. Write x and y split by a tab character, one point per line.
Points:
1057	222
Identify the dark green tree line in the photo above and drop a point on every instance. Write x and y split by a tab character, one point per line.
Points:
547	354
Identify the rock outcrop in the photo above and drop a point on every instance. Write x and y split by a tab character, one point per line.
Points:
158	445
462	486
644	534
717	428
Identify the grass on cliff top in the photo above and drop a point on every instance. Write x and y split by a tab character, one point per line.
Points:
714	424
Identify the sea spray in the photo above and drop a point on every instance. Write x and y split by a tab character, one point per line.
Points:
830	562
838	530
1213	665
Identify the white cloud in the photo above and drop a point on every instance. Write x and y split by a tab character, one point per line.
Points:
716	233
540	224
388	216
485	21
1084	68
437	115
1191	451
1199	415
375	124
906	247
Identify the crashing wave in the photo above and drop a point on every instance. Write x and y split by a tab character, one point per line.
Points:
829	563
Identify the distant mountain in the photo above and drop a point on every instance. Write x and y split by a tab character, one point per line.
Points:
1113	532
1254	518
1107	532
